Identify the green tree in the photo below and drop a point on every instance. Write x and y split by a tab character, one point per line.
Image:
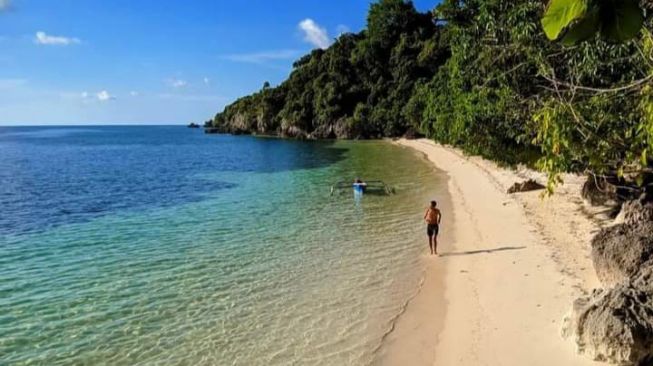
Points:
483	76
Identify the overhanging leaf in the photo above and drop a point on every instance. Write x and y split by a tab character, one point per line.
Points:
561	14
583	28
621	20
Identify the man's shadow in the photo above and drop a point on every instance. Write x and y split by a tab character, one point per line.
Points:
483	251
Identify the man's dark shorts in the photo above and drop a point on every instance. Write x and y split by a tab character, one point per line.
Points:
432	229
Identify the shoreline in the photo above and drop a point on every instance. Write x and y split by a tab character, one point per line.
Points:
509	269
415	331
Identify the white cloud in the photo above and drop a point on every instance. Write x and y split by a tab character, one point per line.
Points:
87	97
104	96
177	83
262	57
341	29
5	5
314	34
207	81
45	39
133	93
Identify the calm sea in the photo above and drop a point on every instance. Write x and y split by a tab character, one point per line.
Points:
166	246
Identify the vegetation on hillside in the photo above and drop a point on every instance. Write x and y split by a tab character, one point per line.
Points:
357	88
480	75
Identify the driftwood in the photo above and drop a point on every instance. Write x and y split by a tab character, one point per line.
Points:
525	186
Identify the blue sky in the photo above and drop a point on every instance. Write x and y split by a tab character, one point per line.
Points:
154	62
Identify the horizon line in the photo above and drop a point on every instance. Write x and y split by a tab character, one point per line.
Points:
93	124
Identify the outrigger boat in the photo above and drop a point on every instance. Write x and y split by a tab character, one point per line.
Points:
370	186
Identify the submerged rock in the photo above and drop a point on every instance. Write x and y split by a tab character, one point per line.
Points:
525	186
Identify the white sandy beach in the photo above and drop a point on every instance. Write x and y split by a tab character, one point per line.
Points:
509	269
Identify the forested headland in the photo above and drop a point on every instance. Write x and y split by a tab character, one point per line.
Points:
477	74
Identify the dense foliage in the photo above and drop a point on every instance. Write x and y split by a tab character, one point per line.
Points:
478	74
358	87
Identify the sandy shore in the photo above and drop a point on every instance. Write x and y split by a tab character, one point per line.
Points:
509	269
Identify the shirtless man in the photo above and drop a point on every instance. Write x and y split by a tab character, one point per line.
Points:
433	216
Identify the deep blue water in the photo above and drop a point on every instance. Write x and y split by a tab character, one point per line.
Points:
51	176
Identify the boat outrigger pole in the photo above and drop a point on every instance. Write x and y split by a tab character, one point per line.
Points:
371	186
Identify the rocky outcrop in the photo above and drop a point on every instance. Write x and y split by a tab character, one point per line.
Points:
525	186
644	280
338	130
637	211
240	124
294	132
619	251
615	325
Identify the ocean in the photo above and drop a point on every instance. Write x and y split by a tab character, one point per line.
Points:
161	245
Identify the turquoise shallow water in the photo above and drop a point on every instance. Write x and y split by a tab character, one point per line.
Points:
166	246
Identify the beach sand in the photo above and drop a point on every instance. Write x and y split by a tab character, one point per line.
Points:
509	269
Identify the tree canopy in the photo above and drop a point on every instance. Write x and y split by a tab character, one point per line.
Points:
482	75
357	88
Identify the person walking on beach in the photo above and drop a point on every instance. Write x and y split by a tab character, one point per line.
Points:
433	216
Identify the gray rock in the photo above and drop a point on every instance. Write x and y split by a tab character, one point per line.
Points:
644	279
337	130
637	212
295	132
615	325
240	124
619	251
323	132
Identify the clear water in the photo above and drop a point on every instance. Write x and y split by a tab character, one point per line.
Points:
162	245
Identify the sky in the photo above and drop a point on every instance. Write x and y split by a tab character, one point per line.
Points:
154	61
